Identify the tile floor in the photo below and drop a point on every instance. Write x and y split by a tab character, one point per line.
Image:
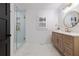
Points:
33	49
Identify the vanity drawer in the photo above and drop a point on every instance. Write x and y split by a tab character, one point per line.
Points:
68	45
67	51
67	38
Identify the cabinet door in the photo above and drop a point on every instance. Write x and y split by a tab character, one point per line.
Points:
54	38
59	41
68	44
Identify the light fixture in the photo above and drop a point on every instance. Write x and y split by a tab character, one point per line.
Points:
70	7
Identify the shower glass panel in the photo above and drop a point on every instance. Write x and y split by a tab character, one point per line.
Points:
20	27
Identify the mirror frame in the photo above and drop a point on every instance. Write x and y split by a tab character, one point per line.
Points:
65	17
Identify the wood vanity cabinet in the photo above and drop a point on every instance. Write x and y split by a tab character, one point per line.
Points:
66	44
57	41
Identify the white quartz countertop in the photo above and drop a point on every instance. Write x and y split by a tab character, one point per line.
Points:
67	33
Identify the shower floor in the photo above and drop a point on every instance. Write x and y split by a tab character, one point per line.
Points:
19	44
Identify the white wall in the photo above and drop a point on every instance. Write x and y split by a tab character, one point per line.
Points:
60	19
40	36
12	28
51	17
33	35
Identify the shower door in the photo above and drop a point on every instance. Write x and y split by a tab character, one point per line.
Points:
20	27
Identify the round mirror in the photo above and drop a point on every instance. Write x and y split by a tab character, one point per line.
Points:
71	19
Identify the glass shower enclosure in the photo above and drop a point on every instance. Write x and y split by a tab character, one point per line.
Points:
20	27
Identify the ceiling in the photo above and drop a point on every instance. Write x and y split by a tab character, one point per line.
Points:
38	6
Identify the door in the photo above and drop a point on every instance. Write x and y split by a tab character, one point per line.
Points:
20	27
4	29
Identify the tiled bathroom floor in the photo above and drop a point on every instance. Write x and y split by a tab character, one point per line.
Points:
33	49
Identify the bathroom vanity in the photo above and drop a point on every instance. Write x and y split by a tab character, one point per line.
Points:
67	43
